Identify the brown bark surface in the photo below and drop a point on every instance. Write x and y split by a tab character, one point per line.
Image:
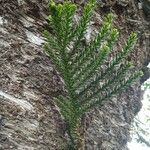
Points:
29	119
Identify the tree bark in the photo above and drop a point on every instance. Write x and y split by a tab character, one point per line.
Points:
29	119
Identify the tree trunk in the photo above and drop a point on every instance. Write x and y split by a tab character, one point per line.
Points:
29	119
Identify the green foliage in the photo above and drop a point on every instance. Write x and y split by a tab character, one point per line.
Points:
87	84
146	85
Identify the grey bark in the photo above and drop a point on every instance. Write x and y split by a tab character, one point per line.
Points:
29	119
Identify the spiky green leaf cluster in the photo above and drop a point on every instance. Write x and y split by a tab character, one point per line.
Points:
87	84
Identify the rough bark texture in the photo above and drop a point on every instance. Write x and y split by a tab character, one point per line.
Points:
29	119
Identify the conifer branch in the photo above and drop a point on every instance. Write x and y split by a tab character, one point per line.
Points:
123	85
116	60
94	45
88	70
113	80
78	67
80	30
